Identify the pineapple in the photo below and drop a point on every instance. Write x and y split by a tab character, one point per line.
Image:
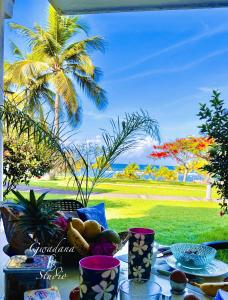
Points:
37	220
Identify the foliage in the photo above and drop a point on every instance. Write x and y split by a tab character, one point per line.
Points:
23	160
99	163
22	130
164	173
184	151
37	220
149	170
196	165
129	172
123	137
29	94
57	61
215	125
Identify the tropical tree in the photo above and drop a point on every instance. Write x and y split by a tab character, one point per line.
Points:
24	159
58	62
164	173
148	170
215	125
129	172
184	151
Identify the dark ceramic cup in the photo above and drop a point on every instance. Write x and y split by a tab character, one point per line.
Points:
140	252
99	276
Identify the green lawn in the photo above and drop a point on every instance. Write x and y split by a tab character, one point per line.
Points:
173	221
135	187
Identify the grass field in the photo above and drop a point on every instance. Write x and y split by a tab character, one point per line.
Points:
144	187
173	221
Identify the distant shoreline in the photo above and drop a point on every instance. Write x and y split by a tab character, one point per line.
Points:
117	168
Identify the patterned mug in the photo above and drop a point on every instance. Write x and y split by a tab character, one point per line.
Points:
140	252
99	276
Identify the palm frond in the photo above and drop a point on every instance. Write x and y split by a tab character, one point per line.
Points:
46	44
17	53
21	71
65	88
63	28
124	136
74	49
29	34
93	90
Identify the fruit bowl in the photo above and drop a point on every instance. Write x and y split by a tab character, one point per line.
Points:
193	256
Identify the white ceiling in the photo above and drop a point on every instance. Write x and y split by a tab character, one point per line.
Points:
102	6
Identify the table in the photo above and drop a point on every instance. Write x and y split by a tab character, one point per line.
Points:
72	280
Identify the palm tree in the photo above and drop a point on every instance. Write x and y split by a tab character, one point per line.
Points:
149	171
63	64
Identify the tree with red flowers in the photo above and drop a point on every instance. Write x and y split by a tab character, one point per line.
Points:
184	151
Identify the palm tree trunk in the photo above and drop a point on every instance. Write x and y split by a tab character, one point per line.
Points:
57	102
52	174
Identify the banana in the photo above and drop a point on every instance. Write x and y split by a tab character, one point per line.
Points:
211	289
78	225
77	241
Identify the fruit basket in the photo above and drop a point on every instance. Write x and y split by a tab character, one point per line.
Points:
73	257
90	238
19	241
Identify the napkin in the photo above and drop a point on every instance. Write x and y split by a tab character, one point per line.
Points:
43	294
221	295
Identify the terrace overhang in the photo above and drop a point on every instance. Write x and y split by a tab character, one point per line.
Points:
6	8
71	7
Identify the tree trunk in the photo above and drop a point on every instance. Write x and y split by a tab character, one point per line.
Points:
185	174
57	100
208	189
52	174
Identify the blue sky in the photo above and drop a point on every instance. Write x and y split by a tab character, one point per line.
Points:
164	62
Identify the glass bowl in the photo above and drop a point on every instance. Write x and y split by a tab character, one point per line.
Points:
193	256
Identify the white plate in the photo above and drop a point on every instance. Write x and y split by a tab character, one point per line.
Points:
215	268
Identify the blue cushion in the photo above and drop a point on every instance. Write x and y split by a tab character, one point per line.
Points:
96	213
13	206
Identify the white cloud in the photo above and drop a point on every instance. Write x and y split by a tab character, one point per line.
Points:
96	140
143	149
97	115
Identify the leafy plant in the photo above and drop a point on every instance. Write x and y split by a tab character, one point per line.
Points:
23	160
37	220
78	159
28	143
215	125
124	136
